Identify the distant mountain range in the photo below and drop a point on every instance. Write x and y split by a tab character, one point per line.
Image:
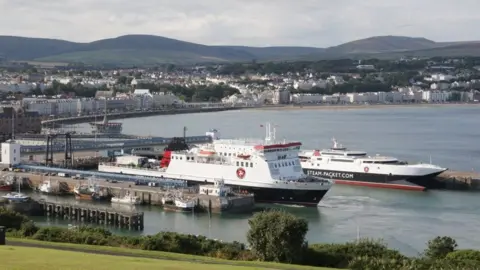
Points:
151	50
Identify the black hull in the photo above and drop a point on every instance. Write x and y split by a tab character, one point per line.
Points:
280	196
425	181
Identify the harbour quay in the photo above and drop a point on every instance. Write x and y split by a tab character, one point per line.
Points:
150	190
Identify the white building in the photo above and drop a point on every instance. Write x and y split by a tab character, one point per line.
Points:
436	96
306	98
10	153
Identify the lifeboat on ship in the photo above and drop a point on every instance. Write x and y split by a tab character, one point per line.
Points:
243	156
206	152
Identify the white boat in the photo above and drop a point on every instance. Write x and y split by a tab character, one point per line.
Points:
357	168
184	204
127	199
269	169
180	205
16	196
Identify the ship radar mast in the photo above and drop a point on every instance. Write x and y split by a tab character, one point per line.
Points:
270	133
337	146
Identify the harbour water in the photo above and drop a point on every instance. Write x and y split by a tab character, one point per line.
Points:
405	220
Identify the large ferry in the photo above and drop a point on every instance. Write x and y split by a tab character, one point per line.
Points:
357	168
269	169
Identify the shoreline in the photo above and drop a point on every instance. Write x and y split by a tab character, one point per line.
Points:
362	106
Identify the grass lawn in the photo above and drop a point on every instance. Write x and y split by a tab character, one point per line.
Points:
49	259
19	257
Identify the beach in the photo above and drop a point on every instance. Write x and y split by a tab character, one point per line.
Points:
360	106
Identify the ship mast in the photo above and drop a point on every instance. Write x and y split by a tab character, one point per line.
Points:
269	133
13	123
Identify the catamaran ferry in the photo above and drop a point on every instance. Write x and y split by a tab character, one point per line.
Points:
356	168
269	169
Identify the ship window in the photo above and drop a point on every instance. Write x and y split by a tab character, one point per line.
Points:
251	164
241	164
238	164
192	158
367	162
341	160
275	165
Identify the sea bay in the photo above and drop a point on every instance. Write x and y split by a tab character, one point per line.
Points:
405	220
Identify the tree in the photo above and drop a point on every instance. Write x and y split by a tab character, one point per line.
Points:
277	236
439	247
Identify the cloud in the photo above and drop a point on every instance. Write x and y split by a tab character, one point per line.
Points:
242	22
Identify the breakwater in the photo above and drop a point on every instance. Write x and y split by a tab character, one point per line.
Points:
124	115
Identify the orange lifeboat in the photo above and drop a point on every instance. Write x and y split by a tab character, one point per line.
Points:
206	152
243	156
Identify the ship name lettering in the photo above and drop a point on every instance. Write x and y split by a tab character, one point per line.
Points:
338	175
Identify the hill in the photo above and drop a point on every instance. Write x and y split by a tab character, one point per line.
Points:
152	50
382	44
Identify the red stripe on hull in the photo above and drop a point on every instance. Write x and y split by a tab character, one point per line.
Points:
379	185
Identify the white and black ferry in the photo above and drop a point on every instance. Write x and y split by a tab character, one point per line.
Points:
357	168
270	170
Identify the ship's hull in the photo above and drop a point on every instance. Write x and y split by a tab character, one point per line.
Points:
403	182
173	208
286	196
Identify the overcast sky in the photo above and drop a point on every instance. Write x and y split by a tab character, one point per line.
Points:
318	23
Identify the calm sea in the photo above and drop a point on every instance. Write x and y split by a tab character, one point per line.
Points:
405	220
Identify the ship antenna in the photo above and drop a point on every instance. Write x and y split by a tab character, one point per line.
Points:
13	123
274	132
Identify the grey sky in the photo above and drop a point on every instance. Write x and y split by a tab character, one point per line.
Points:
317	23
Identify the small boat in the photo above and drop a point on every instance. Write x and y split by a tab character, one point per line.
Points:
16	196
180	205
56	188
127	199
91	192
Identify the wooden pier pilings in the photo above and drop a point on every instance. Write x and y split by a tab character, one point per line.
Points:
95	215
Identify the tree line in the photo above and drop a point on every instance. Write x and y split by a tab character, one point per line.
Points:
274	235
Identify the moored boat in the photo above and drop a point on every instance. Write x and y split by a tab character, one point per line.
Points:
54	188
91	191
127	199
180	205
